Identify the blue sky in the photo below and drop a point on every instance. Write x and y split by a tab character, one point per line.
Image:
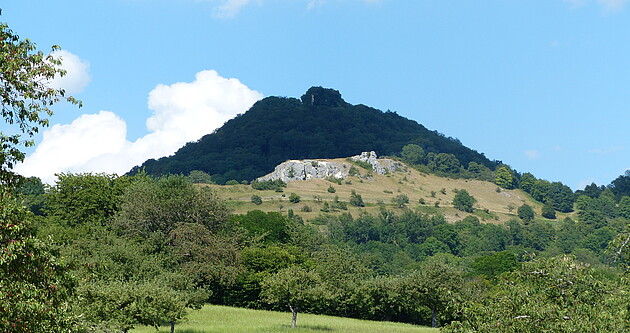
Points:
542	85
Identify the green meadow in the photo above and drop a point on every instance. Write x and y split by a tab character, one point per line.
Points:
213	318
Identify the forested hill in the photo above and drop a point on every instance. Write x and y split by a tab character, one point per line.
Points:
319	125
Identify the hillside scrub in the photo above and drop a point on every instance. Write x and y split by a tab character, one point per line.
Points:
368	265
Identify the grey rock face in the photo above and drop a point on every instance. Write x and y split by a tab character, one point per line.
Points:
379	167
307	169
316	169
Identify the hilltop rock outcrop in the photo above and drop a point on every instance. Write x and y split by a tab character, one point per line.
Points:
321	169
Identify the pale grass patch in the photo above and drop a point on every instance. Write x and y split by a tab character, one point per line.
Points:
215	319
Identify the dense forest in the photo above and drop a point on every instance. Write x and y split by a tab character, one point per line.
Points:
143	250
319	125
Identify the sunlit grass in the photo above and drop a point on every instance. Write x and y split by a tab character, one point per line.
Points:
212	318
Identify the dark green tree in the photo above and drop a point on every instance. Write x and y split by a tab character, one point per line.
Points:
464	201
525	212
256	199
548	212
412	154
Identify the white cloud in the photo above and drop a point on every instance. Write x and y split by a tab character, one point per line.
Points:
230	8
532	154
612	5
77	73
182	112
608	5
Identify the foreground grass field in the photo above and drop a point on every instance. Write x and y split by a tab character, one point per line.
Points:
212	318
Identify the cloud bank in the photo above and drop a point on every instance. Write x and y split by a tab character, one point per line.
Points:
182	112
77	73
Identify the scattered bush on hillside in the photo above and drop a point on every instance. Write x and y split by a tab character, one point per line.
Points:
400	200
294	198
256	199
334	180
464	201
356	199
275	185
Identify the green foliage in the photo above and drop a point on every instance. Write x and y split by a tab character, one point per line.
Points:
549	295
31	191
293	286
362	164
353	171
125	283
35	286
268	185
525	212
400	200
155	207
256	199
505	177
464	201
84	198
494	264
338	204
436	285
548	212
356	199
26	97
232	182
621	185
331	189
200	177
294	198
443	162
263	227
412	154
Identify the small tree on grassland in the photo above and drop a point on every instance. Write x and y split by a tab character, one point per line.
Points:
293	286
400	200
525	212
464	201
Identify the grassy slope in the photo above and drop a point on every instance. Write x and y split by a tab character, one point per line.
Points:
212	318
414	184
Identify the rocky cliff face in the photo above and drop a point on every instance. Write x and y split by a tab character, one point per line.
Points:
319	169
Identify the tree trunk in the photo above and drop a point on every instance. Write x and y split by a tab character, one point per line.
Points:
434	317
294	311
172	327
